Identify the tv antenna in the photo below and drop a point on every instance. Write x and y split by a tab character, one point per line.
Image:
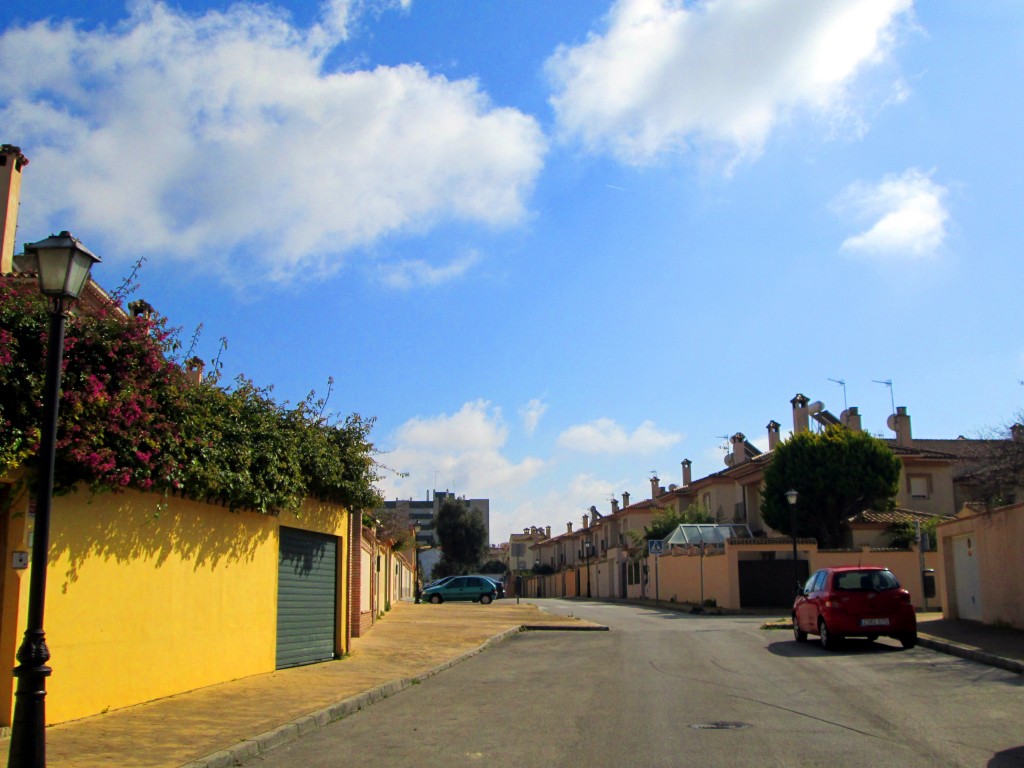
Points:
892	398
842	383
724	438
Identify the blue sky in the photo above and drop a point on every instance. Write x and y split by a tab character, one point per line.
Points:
550	246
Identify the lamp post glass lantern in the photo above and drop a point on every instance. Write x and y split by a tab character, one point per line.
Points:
64	265
792	496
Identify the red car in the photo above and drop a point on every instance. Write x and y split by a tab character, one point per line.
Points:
854	601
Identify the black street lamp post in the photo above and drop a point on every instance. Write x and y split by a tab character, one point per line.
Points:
64	265
587	545
791	497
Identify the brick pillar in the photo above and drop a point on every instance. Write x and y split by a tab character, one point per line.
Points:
355	572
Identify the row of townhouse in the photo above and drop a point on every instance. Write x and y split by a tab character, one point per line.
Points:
149	596
752	566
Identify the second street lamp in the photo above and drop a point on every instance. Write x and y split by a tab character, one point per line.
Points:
64	265
791	497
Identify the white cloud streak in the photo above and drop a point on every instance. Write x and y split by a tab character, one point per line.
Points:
607	436
531	414
404	275
221	138
465	447
907	213
667	76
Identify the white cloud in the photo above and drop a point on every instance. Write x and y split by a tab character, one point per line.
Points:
719	74
908	214
559	506
408	274
531	414
222	138
464	448
606	436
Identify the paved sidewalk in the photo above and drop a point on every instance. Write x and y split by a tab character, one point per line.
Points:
997	646
213	726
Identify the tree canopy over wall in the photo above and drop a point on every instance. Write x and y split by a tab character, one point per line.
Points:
130	417
837	473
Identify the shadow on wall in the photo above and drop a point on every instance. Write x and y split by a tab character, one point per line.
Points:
132	527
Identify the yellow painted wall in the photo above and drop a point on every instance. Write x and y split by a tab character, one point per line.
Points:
679	577
145	600
999	535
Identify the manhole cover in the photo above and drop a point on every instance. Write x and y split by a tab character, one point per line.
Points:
719	726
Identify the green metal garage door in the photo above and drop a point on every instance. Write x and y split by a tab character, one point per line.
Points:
306	597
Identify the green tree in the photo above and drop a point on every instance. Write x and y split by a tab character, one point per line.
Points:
902	534
494	566
462	535
837	474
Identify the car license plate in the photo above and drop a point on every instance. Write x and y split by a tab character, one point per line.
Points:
874	622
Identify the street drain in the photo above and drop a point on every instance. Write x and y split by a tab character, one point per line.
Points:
719	726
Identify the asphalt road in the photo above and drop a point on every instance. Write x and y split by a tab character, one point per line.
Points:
669	689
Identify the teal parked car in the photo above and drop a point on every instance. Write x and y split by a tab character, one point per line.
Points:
475	588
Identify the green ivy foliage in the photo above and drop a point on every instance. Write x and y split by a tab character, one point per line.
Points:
131	418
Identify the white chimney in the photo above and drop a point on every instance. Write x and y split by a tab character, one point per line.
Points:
739	454
568	528
801	416
586	521
899	423
850	418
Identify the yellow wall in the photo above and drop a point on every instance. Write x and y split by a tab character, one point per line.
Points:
999	535
679	578
145	600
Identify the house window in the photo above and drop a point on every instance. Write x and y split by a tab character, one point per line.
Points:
920	486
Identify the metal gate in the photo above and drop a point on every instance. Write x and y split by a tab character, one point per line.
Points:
306	597
967	577
770	583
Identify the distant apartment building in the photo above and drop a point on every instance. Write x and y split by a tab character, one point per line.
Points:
424	513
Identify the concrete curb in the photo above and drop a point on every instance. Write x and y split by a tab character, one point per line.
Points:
284	734
966	652
561	628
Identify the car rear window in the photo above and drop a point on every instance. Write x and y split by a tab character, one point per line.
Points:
865	581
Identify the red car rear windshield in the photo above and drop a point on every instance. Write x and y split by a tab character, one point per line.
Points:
865	581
